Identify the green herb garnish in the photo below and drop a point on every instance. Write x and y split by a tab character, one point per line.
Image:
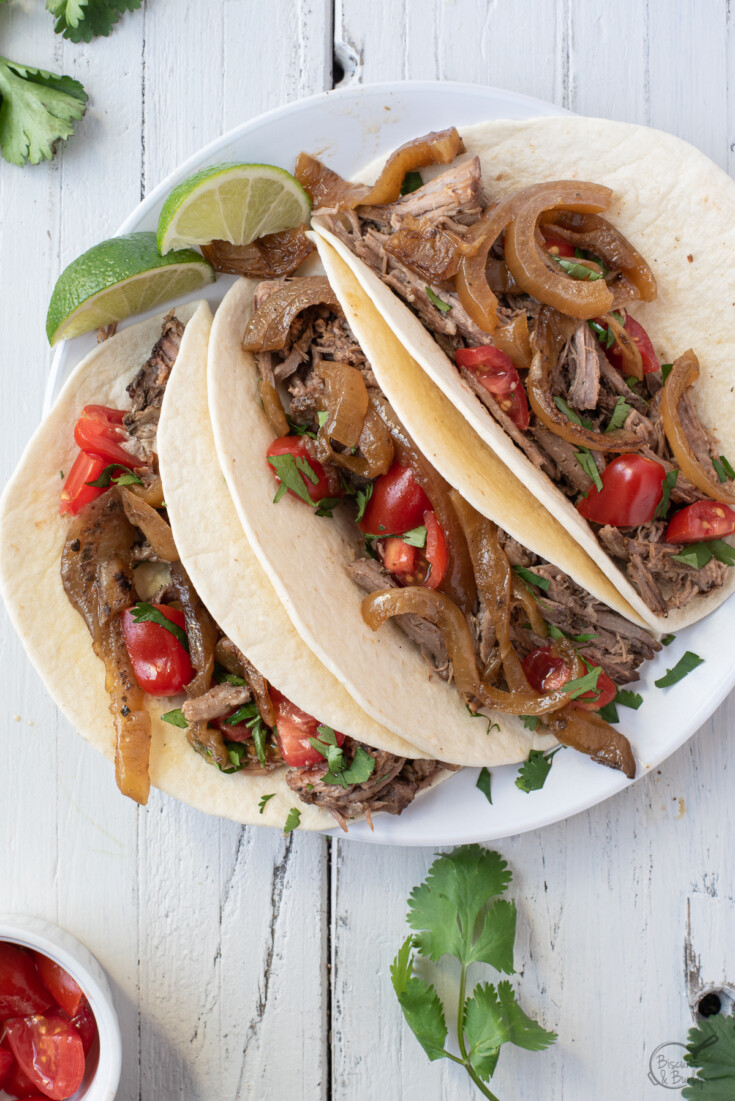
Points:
666	487
263	800
483	783
108	477
619	415
577	271
684	666
530	721
580	685
723	469
411	182
39	109
148	613
575	418
293	820
338	772
176	718
532	578
83	20
363	496
289	469
604	334
326	506
626	698
416	537
556	632
586	460
666	371
533	772
667	640
698	555
711	1050
457	911
435	300
609	712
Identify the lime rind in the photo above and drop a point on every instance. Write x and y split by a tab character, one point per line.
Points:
118	278
231	202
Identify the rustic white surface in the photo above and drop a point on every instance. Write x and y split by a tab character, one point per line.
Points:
249	966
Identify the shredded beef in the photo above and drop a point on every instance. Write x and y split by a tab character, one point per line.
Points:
583	352
220	699
147	388
568	471
522	439
455	194
393	785
372	577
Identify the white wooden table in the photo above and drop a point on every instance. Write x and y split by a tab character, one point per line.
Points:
246	965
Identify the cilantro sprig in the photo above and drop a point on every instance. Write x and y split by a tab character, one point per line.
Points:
83	20
338	771
458	911
711	1050
148	613
116	474
39	109
441	305
533	772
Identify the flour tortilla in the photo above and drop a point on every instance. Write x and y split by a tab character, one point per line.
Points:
678	209
31	539
305	557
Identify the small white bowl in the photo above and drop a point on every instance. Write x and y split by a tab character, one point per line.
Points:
104	1061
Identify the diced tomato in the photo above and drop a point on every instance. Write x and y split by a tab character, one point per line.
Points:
557	247
547	671
436	551
21	990
82	1020
99	431
296	446
293	729
49	1050
645	347
240	732
701	521
632	488
495	371
161	663
18	1084
397	504
76	493
6	1064
59	983
399	557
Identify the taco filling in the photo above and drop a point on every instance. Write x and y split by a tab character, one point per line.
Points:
533	299
512	632
121	572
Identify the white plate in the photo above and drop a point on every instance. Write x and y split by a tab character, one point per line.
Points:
349	128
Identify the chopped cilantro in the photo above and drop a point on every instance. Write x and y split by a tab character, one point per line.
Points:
711	1051
632	383
530	721
580	685
326	506
83	20
176	718
322	417
575	418
533	772
577	271
363	496
148	613
723	469
619	415
108	477
411	182
684	666
483	783
338	772
668	484
667	640
586	460
604	334
626	698
416	537
222	676
698	555
532	578
293	820
299	429
556	632
263	800
666	371
435	300
290	469
609	712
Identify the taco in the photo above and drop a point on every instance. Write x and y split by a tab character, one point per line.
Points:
480	625
193	678
542	305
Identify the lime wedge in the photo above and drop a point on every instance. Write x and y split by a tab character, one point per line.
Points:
119	278
231	202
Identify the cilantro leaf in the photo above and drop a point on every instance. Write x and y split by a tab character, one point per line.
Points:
416	537
556	632
435	300
604	334
38	110
699	554
723	468
668	484
221	676
586	460
533	772
609	712
108	477
83	20
148	613
484	781
263	800
575	418
666	371
361	769
577	271
176	718
449	909
326	505
292	820
420	1003
532	578
667	640
587	683
322	417
363	496
411	182
626	698
290	469
711	1049
530	721
619	415
492	1018
684	666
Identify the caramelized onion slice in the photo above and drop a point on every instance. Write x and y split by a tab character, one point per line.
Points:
471	282
273	408
201	631
586	732
531	270
549	337
151	523
268	328
269	257
427	249
685	372
521	595
375	444
631	353
592	233
491	567
324	186
514	339
346	401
